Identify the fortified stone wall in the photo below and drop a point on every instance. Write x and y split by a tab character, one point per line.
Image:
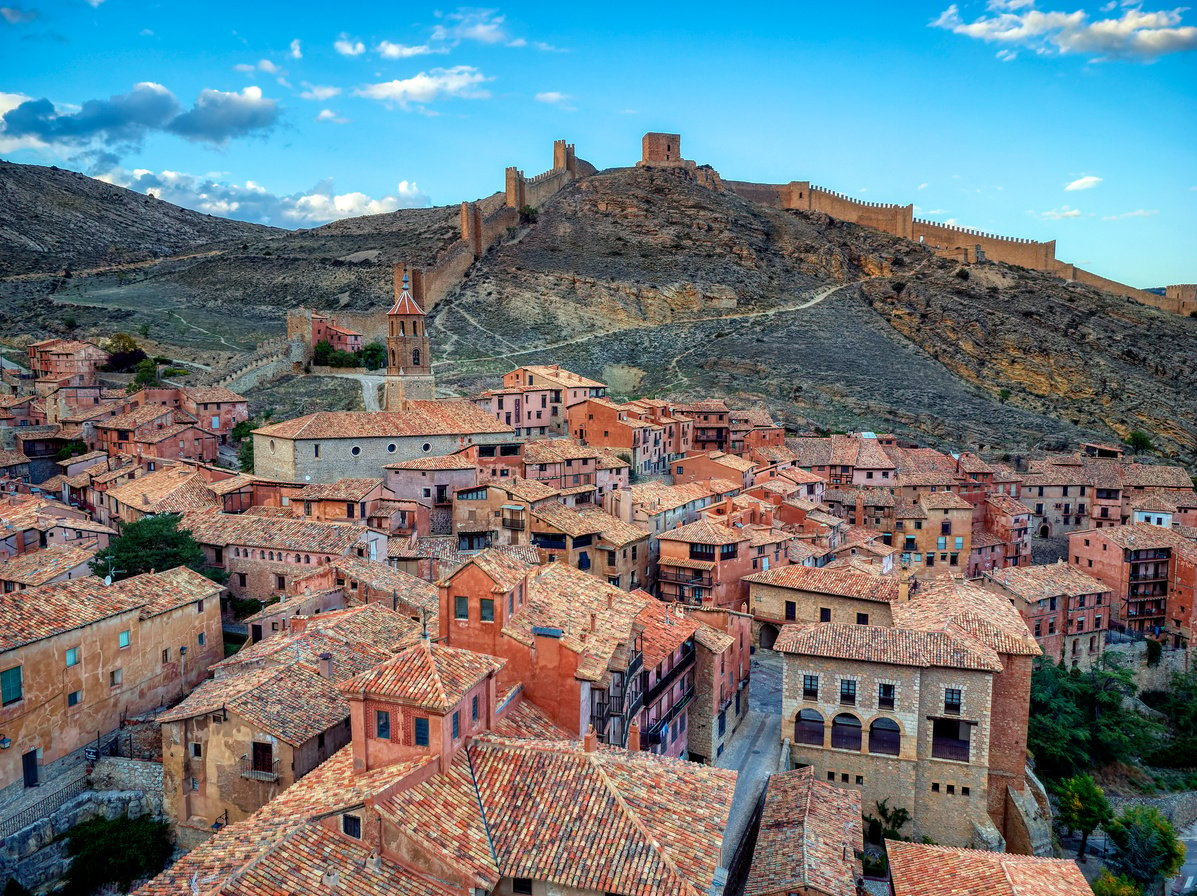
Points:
1181	298
1072	272
1027	253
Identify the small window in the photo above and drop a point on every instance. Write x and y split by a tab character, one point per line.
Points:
391	448
964	791
165	656
74	698
885	696
951	700
791	608
72	656
521	885
862	618
486	609
831	776
425	447
456	725
461	607
199	606
115	677
824	614
860	779
382	724
935	787
355	450
474	708
351	826
125	638
810	687
201	639
197	751
951	788
194	784
847	691
421	732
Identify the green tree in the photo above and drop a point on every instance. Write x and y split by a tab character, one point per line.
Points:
119	343
1146	847
150	543
1139	442
245	455
321	353
1109	885
117	851
373	355
1082	807
887	824
146	375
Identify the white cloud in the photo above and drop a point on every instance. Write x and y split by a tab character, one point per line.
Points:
1006	55
296	49
318	93
389	50
1136	34
15	15
556	98
1137	213
1088	182
269	67
460	81
94	3
330	115
347	47
481	25
253	202
950	221
1059	214
923	186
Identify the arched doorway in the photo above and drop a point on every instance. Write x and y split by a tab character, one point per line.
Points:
885	737
808	728
768	636
846	732
1045	531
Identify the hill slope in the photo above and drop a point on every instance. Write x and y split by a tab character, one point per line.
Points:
662	286
51	219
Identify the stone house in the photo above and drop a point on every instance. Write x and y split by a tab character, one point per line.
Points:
677	432
1001	535
1068	611
78	656
68	361
272	713
712	423
798	594
451	787
57	563
1152	572
928	712
560	463
753	428
601	423
936	531
859	459
153	430
499	513
721	680
332	445
714	465
343	501
264	554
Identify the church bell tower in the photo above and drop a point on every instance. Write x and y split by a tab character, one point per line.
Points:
409	362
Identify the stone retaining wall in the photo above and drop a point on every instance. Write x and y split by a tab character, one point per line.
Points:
1178	808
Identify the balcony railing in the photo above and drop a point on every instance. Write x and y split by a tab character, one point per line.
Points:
615	704
513	522
681	577
949	748
682	666
257	771
656	729
844	737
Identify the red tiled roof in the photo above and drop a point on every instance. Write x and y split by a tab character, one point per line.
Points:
878	644
919	869
419	418
824	581
427	675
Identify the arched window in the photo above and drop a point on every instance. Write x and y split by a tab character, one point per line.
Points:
808	728
885	737
415	328
298	559
415	357
307	558
846	732
402	328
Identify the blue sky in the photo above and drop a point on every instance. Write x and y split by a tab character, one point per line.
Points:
1032	118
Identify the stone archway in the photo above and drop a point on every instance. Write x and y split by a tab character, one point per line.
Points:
768	635
1045	531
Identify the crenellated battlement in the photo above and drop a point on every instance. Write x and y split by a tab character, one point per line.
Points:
846	198
1015	240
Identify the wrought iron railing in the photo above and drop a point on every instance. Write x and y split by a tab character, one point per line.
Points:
256	771
44	807
949	748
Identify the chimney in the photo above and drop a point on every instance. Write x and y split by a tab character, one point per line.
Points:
634	738
326	665
593	622
590	741
859	508
297	624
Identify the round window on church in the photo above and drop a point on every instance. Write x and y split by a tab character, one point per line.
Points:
425	447
355	450
391	448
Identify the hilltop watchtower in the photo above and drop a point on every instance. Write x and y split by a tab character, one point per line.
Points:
662	151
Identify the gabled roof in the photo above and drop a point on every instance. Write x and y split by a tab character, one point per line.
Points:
947	604
884	644
819	580
415	594
40	567
810	833
604	821
169	490
705	532
919	869
419	418
291	701
427	675
1049	580
341	490
506	568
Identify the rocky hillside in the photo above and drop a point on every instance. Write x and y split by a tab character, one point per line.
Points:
52	219
660	285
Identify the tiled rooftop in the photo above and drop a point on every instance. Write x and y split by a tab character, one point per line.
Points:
420	418
923	870
1050	580
40	567
287	533
705	532
810	832
409	591
427	675
176	489
824	581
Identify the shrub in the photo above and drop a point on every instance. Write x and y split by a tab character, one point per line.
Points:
1155	650
118	852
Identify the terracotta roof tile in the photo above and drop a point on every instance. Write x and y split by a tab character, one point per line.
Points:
809	835
922	870
878	644
427	675
40	567
705	532
287	533
341	490
447	417
1050	580
823	581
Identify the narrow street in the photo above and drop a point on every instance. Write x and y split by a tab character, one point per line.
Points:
755	748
